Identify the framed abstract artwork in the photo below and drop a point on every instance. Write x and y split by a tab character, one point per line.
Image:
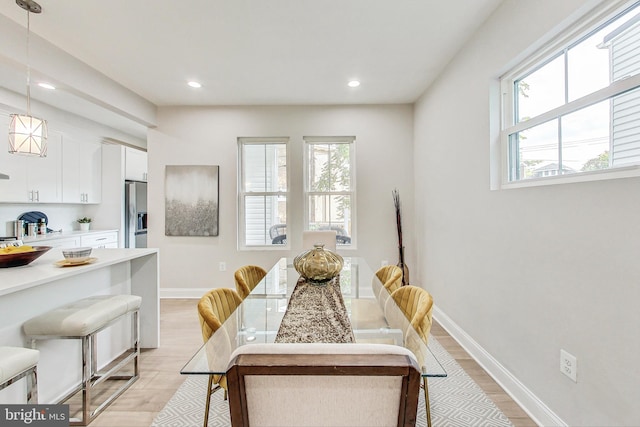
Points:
191	200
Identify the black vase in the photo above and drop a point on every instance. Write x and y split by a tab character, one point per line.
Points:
403	266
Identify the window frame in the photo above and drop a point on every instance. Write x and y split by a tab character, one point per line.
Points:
508	125
350	140
241	226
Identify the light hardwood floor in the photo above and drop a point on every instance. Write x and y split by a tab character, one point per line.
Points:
511	409
180	338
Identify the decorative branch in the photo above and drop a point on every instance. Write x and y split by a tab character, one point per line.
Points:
396	203
401	264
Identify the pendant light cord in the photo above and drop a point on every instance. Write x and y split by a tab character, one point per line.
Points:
28	68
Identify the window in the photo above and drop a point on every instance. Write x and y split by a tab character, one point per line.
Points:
576	108
330	186
263	191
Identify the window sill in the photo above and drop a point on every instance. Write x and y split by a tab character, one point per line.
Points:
601	175
265	248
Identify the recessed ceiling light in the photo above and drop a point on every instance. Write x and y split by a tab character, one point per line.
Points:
46	85
354	83
194	84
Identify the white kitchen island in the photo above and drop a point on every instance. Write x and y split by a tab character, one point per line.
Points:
33	289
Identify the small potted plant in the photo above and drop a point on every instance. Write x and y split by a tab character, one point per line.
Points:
85	223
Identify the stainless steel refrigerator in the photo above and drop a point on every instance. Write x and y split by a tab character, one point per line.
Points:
135	214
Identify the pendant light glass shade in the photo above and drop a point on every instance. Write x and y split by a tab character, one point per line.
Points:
27	135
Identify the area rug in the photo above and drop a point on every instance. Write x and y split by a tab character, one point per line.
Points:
455	401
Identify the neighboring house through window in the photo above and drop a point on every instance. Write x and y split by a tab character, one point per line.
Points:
263	190
329	171
575	107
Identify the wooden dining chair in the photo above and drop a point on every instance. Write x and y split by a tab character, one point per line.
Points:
213	309
302	385
247	278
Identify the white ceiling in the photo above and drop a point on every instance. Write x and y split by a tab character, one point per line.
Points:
261	52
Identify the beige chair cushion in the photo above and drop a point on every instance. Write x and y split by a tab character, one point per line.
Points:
82	317
321	348
307	403
14	360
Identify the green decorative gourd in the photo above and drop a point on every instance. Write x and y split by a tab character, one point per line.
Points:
318	265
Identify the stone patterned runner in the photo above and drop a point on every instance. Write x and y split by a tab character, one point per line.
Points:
316	313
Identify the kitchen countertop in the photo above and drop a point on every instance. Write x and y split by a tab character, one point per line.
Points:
43	270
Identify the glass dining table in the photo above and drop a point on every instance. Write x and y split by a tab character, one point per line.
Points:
373	316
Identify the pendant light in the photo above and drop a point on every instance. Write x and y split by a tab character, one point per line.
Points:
28	134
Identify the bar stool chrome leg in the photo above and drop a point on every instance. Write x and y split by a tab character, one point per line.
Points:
17	363
87	370
32	387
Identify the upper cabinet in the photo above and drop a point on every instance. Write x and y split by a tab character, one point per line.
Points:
135	164
45	177
33	179
81	172
70	173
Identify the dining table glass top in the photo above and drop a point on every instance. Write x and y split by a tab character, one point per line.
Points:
373	317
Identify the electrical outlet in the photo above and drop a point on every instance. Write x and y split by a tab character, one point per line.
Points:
223	266
569	365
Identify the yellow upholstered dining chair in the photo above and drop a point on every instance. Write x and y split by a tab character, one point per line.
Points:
417	306
213	309
390	276
247	278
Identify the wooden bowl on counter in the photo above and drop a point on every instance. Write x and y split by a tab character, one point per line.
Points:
22	258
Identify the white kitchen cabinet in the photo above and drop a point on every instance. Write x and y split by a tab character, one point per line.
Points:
107	239
66	242
13	189
44	174
135	164
81	172
33	179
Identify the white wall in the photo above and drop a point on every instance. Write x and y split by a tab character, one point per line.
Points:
208	136
523	273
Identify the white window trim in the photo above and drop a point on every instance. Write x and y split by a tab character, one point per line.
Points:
507	120
352	154
241	232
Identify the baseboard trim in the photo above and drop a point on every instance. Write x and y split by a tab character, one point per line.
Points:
539	412
182	293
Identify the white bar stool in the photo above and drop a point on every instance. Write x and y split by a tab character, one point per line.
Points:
82	320
17	363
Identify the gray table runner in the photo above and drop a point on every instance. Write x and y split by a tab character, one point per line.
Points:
316	313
